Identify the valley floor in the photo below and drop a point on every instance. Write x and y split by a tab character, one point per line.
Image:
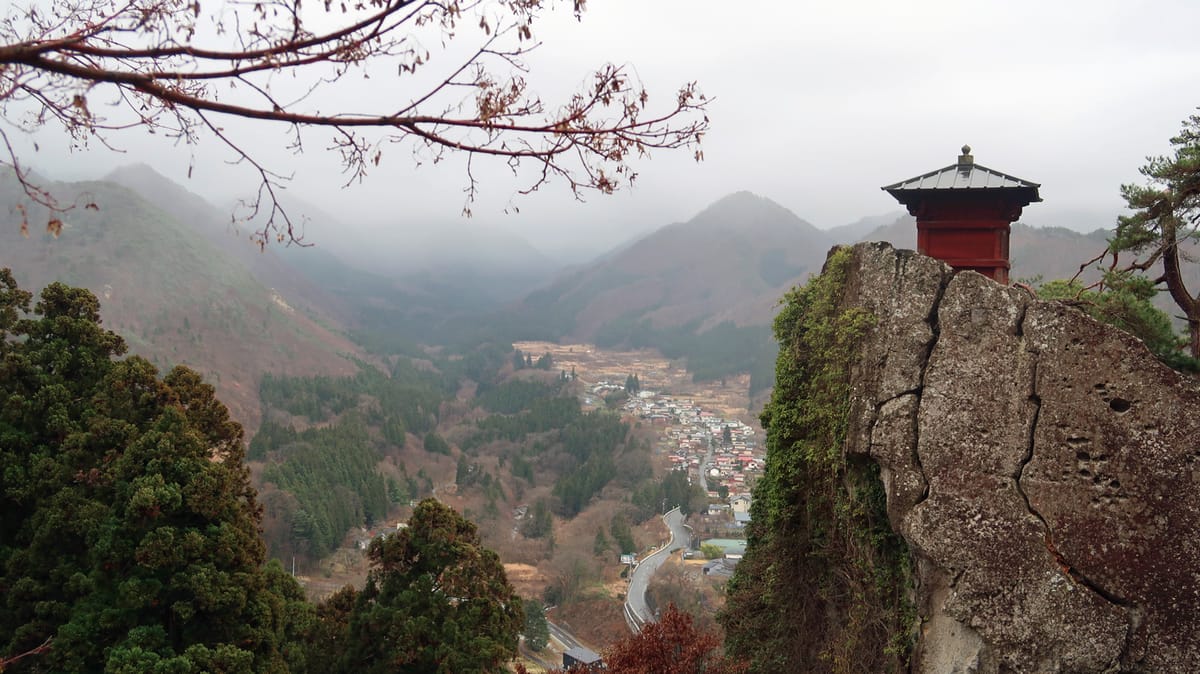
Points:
595	616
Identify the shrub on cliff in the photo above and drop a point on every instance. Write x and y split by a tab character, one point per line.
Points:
824	583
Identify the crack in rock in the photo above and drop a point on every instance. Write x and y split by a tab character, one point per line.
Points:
1077	577
1023	558
935	334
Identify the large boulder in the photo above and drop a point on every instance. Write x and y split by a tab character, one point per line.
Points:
1042	468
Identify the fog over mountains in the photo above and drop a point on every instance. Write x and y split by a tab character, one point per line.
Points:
173	294
183	285
731	262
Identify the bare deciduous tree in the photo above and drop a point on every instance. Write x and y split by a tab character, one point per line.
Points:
177	67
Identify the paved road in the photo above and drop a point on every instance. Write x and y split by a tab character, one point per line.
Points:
562	636
635	601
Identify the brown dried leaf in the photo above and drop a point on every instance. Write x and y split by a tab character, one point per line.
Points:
54	226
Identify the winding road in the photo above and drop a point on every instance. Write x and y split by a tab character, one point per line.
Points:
637	613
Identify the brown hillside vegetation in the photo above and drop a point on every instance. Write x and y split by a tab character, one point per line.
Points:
655	372
730	262
174	297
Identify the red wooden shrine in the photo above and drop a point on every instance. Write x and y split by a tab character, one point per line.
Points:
964	212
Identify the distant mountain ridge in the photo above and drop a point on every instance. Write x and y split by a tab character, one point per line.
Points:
501	265
273	266
171	293
731	262
855	231
183	286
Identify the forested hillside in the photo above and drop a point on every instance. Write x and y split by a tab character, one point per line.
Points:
174	297
323	480
703	290
336	454
129	528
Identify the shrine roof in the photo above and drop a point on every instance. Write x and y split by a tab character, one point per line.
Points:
964	175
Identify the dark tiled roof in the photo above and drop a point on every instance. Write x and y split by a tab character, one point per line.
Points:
583	654
964	175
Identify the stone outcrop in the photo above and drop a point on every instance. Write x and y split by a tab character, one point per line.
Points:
1043	468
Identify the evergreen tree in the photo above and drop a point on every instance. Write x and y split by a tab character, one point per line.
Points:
14	303
393	431
632	385
436	602
1166	218
539	522
324	640
655	496
601	545
537	631
622	533
436	444
1125	302
128	526
466	472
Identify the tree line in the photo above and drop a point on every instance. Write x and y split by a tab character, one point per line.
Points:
129	530
657	496
722	351
331	473
515	395
404	400
583	447
543	414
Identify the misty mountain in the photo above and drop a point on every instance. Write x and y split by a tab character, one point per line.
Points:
857	230
463	256
704	290
174	296
276	266
731	262
391	289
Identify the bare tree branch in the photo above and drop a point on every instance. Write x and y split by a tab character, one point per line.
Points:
171	62
5	662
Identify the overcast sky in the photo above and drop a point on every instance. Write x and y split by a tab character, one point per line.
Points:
817	106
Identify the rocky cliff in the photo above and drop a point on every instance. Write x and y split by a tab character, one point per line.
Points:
1042	468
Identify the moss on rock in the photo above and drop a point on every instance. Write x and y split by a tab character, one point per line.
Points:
825	584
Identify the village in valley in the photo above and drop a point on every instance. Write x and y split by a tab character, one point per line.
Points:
703	428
